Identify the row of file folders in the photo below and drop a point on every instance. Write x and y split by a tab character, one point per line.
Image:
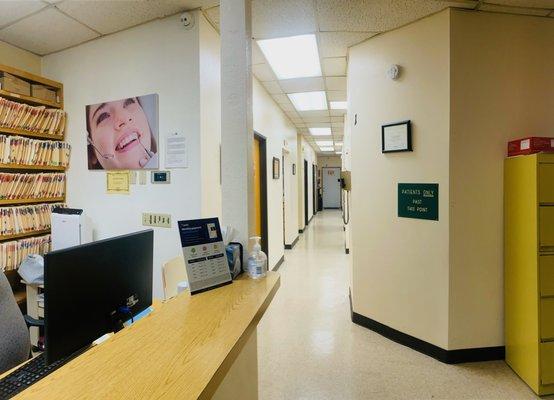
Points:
35	119
32	186
21	150
13	253
28	218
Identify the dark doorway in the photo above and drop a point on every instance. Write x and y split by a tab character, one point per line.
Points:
306	193
314	191
259	162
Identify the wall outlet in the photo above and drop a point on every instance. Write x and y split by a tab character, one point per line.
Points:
160	220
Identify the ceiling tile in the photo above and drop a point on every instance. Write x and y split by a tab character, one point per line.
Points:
335	66
336	95
257	55
336	83
46	32
316	113
278	18
377	15
272	87
312	120
335	44
287	107
281	98
337	113
514	10
263	72
212	14
337	119
302	85
337	125
112	16
11	11
525	3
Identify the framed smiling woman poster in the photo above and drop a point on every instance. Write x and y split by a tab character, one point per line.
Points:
123	134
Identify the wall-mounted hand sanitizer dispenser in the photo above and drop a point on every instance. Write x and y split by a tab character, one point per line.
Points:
70	227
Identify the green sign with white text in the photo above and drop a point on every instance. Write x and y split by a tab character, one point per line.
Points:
418	200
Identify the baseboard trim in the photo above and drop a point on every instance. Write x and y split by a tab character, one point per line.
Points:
331	208
310	220
347	250
290	246
431	350
278	265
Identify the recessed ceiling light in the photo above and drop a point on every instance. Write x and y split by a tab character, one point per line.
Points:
320	131
293	56
338	144
326	149
324	143
338	152
309	101
338	105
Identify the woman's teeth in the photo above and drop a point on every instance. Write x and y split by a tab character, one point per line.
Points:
126	140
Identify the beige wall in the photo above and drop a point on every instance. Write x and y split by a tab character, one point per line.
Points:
502	87
17	58
400	266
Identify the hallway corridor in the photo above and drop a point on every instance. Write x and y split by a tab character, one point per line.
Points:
309	348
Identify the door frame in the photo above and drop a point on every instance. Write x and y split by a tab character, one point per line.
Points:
314	188
263	195
306	207
322	182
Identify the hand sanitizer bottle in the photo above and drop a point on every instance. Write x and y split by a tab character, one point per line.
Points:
257	262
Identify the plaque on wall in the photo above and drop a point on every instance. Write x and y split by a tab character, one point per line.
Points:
396	137
418	200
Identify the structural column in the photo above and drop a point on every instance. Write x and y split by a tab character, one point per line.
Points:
236	117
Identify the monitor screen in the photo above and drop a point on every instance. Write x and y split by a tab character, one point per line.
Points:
87	287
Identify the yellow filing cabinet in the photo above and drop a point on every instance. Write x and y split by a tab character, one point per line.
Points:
529	269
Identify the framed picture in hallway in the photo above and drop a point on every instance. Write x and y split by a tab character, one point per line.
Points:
396	137
276	168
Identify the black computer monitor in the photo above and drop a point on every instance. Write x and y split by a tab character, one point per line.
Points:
87	287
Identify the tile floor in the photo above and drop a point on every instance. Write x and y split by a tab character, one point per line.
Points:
309	348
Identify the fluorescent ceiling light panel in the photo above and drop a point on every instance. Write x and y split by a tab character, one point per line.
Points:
320	131
338	144
325	143
293	56
326	149
309	101
338	105
338	152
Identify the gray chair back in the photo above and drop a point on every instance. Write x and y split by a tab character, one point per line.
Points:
14	335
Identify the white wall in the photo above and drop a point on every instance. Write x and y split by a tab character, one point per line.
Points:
210	117
305	152
400	265
158	57
271	122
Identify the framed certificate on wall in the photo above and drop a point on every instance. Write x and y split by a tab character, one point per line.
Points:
396	137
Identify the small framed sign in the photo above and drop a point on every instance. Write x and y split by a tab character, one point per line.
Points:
276	168
396	137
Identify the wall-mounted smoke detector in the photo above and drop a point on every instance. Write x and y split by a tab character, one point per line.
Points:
393	72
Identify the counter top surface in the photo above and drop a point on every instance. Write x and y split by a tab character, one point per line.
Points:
182	350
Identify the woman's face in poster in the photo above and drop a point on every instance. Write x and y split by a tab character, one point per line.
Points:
120	132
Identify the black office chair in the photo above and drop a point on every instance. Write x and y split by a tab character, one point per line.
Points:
15	343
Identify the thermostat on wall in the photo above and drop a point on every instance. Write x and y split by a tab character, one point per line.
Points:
160	177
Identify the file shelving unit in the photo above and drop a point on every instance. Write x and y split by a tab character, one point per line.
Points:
17	286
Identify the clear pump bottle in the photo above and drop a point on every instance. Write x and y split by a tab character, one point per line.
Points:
257	261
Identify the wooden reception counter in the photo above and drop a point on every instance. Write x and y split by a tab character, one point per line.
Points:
190	347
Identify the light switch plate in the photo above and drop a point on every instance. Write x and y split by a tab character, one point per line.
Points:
142	177
159	220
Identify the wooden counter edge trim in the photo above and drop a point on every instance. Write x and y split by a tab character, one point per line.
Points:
225	366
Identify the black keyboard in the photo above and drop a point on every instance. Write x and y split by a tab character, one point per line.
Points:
28	374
